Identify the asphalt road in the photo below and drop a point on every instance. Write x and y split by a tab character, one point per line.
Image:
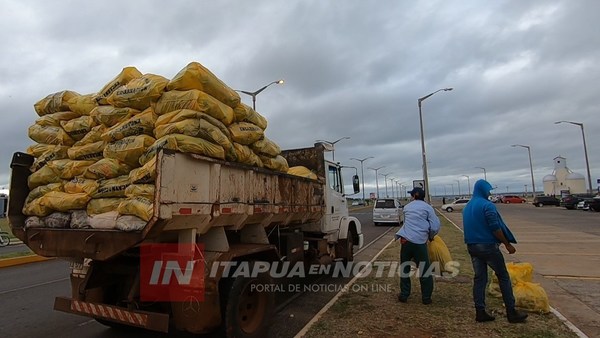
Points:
27	295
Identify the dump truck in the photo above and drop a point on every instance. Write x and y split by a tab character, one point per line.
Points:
236	214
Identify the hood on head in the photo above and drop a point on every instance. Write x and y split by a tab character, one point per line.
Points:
482	188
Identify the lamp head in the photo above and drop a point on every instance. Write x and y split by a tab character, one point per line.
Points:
448	89
280	81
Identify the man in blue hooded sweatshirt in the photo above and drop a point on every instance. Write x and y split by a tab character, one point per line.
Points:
484	232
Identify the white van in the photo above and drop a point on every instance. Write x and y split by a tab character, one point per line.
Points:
389	211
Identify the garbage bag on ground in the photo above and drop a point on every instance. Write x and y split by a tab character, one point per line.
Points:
531	297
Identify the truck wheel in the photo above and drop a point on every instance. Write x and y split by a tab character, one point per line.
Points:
246	306
348	245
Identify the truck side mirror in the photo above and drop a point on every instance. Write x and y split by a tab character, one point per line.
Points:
356	184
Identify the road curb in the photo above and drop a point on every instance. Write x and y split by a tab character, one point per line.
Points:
7	262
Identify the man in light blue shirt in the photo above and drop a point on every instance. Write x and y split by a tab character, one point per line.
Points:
420	224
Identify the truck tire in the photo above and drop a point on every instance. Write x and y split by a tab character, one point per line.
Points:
348	245
246	311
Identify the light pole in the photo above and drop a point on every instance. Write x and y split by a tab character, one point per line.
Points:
332	144
392	185
376	180
484	174
253	94
362	175
469	184
452	185
385	179
587	164
458	183
530	164
425	178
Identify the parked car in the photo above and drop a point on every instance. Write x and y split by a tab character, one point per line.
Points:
495	198
459	204
570	201
540	201
389	211
594	203
582	205
507	199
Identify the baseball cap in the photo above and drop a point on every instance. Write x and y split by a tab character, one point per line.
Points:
417	190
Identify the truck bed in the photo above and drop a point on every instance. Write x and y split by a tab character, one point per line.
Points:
191	192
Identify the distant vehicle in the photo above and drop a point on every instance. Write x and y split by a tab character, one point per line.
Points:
583	205
540	201
388	210
570	201
594	204
355	203
508	199
459	204
495	198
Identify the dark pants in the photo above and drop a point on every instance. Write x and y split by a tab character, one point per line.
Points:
417	253
482	256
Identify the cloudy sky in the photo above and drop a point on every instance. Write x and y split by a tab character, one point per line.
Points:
351	68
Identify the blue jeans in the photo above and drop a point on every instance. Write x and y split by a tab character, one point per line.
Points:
482	256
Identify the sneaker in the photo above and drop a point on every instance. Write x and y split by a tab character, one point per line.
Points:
483	316
427	301
515	316
402	299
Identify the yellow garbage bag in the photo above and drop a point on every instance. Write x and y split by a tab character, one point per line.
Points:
520	272
245	155
198	128
142	123
82	104
144	174
186	114
93	136
113	187
129	149
63	202
139	93
54	102
109	115
56	118
438	252
43	176
302	172
54	153
245	113
531	297
145	190
139	206
266	147
77	128
194	100
196	76
42	190
91	152
126	75
36	150
277	163
81	185
67	169
101	205
184	144
35	208
107	168
49	135
245	133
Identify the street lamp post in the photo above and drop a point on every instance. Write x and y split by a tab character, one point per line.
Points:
458	183
484	174
392	185
530	165
469	184
587	163
425	178
376	180
362	175
452	185
253	94
385	179
332	144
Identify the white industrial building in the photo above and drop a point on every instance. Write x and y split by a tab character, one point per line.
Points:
563	180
